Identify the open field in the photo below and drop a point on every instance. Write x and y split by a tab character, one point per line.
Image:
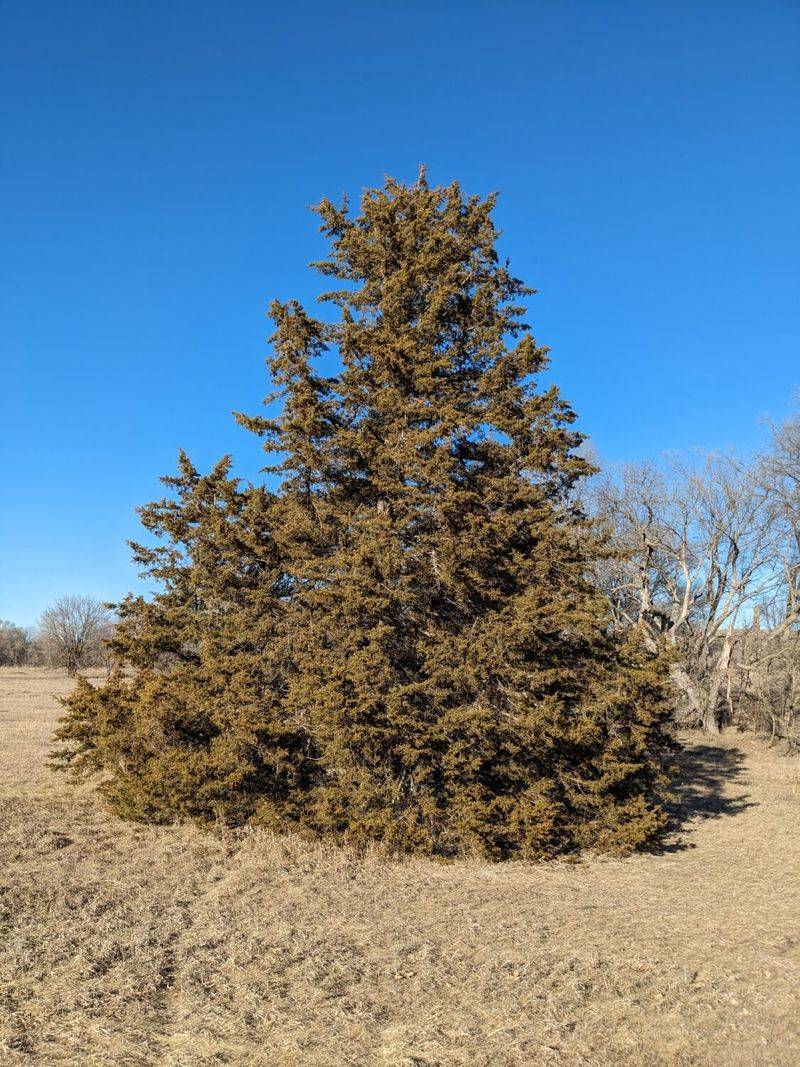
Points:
123	944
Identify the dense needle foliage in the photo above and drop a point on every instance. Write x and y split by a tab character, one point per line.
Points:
402	642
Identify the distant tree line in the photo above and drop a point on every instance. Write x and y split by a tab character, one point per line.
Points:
17	644
72	633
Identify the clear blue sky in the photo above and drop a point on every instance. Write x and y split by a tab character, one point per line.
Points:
158	159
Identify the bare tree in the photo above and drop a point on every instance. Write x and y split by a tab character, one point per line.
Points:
72	631
695	551
768	663
15	644
780	475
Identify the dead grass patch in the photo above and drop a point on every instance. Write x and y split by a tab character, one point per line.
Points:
122	944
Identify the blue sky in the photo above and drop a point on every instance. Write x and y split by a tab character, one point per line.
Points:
158	159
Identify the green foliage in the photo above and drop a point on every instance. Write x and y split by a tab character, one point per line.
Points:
403	643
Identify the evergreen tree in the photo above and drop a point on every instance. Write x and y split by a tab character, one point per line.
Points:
403	644
199	731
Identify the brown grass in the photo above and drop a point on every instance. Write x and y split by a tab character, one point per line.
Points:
122	944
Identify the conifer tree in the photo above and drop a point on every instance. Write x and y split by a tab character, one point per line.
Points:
403	643
199	730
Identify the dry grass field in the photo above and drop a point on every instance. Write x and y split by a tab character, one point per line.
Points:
124	944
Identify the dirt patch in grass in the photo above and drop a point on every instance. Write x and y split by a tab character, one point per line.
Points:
123	944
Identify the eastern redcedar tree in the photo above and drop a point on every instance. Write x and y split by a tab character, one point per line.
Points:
402	643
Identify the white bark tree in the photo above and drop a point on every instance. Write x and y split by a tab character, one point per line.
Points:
695	552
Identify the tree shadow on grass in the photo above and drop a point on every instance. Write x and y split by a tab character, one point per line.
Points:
706	786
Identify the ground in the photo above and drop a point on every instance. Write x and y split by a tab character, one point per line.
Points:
125	944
